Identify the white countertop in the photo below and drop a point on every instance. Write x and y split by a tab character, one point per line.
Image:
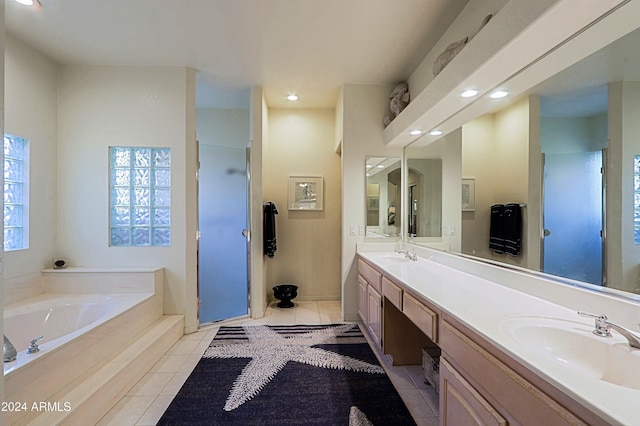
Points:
486	307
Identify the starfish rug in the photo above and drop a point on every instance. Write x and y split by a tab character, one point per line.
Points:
288	375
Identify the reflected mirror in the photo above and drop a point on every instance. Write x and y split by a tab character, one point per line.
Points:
560	160
424	194
383	207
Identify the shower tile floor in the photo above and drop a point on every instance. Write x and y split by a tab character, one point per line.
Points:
150	397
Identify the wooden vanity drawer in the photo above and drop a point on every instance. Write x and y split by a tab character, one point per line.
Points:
392	292
517	400
371	275
420	315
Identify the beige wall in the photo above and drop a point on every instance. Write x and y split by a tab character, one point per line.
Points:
30	112
623	269
364	108
301	142
101	106
495	151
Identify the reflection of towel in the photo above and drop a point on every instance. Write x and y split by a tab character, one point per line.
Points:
505	230
269	229
496	229
512	229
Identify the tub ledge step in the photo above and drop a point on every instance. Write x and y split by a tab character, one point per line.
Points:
95	396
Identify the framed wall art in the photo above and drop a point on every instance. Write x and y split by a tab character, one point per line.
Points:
469	194
305	193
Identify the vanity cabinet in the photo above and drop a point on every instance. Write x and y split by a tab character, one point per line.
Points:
392	292
370	299
394	318
479	382
363	298
461	404
421	315
374	315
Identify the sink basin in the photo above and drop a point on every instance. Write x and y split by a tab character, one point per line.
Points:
390	258
393	258
574	346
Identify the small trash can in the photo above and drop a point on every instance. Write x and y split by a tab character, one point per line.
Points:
431	367
284	293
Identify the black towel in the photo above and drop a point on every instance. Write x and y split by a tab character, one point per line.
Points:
505	229
512	229
496	229
269	229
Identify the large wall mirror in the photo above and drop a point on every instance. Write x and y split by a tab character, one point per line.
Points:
424	192
562	159
383	201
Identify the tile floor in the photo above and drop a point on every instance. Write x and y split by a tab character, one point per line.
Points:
145	403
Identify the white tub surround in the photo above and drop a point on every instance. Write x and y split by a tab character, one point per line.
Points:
103	329
492	302
102	280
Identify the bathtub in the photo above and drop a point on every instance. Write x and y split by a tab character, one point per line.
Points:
83	329
59	318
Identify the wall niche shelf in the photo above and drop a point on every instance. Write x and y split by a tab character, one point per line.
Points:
523	44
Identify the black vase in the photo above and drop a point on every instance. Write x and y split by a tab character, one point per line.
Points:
284	293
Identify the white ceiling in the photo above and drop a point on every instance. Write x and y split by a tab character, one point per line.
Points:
310	47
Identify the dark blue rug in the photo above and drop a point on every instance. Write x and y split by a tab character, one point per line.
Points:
288	375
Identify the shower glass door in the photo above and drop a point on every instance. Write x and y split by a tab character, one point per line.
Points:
573	216
223	287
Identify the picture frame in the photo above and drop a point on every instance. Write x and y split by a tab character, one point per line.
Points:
373	203
469	194
306	193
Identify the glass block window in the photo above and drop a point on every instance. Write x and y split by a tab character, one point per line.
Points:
16	193
140	196
636	199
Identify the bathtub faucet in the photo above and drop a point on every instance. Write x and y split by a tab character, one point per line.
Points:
33	348
9	350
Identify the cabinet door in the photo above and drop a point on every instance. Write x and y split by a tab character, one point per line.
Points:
374	314
461	404
363	297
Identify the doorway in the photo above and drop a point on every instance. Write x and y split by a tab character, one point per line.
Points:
573	216
223	252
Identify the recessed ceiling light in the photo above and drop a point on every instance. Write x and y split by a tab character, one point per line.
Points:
292	97
28	2
435	132
380	166
498	94
469	93
415	132
369	166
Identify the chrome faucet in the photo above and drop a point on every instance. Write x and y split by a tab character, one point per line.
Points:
9	350
603	327
33	348
411	256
